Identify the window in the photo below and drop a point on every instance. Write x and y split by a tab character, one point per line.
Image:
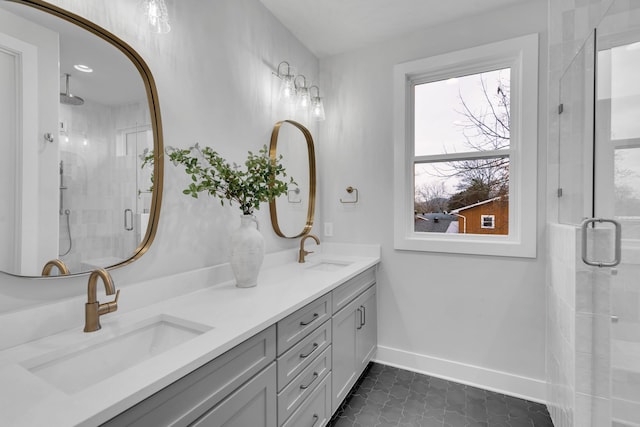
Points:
488	221
465	133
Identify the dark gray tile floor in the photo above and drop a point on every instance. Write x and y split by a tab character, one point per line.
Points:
386	396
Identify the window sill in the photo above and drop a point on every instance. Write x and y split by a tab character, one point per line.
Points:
504	246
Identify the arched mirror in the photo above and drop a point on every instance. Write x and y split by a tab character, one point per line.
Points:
80	132
292	214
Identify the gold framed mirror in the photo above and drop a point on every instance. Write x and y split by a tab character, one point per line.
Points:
292	214
86	184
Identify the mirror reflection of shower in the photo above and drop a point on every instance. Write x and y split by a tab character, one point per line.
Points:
100	176
63	211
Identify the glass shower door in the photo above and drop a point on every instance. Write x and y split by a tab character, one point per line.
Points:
575	192
617	196
132	215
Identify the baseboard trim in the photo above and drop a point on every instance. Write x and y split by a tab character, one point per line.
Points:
476	376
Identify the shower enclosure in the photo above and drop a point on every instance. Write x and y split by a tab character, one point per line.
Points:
593	353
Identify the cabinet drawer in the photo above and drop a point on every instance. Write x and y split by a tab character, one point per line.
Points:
303	385
316	410
294	327
188	398
346	292
302	354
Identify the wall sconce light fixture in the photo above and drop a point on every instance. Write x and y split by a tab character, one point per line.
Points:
317	108
287	91
294	91
156	13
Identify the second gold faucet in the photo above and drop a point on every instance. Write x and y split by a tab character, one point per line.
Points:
302	252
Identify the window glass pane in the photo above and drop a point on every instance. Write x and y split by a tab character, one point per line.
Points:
625	91
452	197
627	182
463	114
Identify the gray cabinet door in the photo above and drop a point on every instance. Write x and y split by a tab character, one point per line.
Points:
367	336
252	405
344	353
355	339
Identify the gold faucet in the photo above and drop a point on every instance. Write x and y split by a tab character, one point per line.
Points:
59	264
304	253
93	309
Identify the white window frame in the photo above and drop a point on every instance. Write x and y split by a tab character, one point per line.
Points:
521	56
493	221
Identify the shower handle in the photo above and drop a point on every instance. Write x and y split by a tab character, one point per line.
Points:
128	219
617	245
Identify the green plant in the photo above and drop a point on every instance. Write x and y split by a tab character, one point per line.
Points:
147	160
213	175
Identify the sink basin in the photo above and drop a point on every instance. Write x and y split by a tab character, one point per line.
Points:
72	371
326	265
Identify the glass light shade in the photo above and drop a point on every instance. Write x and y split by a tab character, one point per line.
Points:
304	99
287	89
156	13
317	109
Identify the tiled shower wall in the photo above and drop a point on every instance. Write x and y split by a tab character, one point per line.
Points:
578	331
561	324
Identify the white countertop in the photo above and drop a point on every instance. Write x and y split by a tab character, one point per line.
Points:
233	315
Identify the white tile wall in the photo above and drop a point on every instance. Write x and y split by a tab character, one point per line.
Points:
578	333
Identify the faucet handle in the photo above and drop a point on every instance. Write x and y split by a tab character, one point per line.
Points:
109	307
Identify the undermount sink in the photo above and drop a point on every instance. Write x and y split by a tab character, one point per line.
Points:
72	371
327	265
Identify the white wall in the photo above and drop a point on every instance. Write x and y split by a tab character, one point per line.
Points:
477	319
213	74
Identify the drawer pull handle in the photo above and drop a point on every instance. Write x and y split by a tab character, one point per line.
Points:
304	356
304	387
359	318
315	316
315	419
364	315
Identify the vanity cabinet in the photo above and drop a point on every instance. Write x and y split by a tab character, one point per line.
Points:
294	373
354	343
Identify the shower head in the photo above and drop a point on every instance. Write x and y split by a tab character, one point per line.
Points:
68	98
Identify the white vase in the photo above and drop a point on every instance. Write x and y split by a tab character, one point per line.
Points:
247	252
